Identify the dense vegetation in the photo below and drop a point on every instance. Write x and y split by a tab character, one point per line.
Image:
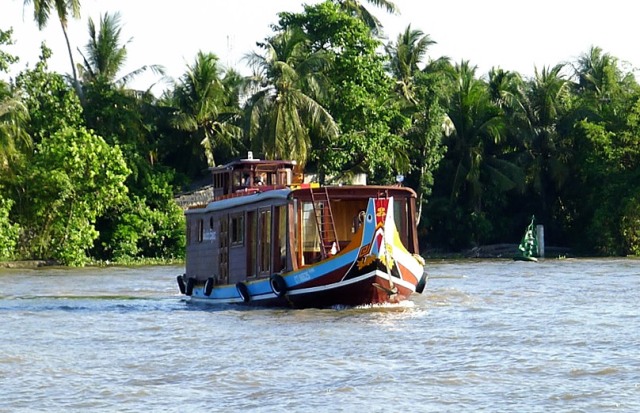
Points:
89	168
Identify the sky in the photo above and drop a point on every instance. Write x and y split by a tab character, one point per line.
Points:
517	35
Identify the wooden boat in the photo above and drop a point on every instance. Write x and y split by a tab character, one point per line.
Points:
268	239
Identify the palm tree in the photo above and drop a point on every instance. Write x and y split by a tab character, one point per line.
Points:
505	88
544	106
106	55
478	126
603	87
355	8
283	113
206	105
405	56
419	95
13	117
596	72
64	8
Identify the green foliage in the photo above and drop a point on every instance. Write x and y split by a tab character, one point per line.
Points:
284	113
482	153
8	231
146	226
105	55
426	132
630	225
358	96
52	104
73	178
148	223
6	59
610	211
204	108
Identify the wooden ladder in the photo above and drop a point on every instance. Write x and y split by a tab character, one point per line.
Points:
324	221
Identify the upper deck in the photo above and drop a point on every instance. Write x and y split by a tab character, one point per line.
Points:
247	176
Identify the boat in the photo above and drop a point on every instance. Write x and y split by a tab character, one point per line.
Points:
529	244
269	238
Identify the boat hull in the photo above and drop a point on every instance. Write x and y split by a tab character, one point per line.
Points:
371	287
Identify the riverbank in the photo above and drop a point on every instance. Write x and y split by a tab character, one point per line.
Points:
27	264
129	263
496	251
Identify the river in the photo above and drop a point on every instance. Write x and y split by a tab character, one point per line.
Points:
486	335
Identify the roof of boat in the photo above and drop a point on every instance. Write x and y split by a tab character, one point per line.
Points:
251	198
262	163
304	192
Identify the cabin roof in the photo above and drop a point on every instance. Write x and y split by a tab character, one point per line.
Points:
254	164
236	202
357	191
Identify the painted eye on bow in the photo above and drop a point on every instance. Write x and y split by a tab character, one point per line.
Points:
369	218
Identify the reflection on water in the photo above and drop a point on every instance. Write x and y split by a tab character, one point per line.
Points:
557	335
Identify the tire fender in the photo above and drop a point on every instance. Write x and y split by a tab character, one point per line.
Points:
191	282
243	292
181	286
208	286
422	283
278	285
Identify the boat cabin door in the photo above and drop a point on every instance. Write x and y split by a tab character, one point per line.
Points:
264	242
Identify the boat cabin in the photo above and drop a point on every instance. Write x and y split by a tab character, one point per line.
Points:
250	176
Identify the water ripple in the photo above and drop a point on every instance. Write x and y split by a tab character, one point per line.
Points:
494	336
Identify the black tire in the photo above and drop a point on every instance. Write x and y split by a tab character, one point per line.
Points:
191	282
181	285
278	285
243	291
422	283
208	287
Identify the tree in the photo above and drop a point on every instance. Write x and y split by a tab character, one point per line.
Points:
356	8
603	195
64	9
13	113
405	55
74	177
358	96
282	116
545	106
6	59
477	123
13	136
428	128
52	106
474	175
105	55
205	108
420	94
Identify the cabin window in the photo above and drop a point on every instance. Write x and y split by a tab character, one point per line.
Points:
237	230
238	180
400	215
211	223
188	232
200	230
220	184
284	177
310	238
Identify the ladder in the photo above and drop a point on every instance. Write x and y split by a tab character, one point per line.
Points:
324	221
